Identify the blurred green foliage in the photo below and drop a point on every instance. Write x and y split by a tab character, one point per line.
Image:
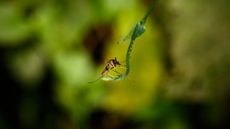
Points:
50	50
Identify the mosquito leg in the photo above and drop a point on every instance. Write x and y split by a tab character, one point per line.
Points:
124	66
111	77
115	71
114	78
96	80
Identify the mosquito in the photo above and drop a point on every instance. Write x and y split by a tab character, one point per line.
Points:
110	65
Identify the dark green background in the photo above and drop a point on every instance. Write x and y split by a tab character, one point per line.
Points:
179	74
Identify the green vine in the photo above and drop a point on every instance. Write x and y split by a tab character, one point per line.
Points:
138	30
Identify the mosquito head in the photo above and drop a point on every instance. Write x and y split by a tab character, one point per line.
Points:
116	61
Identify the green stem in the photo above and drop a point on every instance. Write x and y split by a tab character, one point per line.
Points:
149	11
128	55
138	31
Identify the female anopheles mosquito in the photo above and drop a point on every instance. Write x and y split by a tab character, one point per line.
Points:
110	65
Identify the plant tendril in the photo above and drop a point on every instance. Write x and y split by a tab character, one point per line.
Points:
139	29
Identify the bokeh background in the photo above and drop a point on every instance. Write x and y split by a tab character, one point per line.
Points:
51	49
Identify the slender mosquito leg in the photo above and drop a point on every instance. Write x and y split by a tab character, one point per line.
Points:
122	66
111	77
115	71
